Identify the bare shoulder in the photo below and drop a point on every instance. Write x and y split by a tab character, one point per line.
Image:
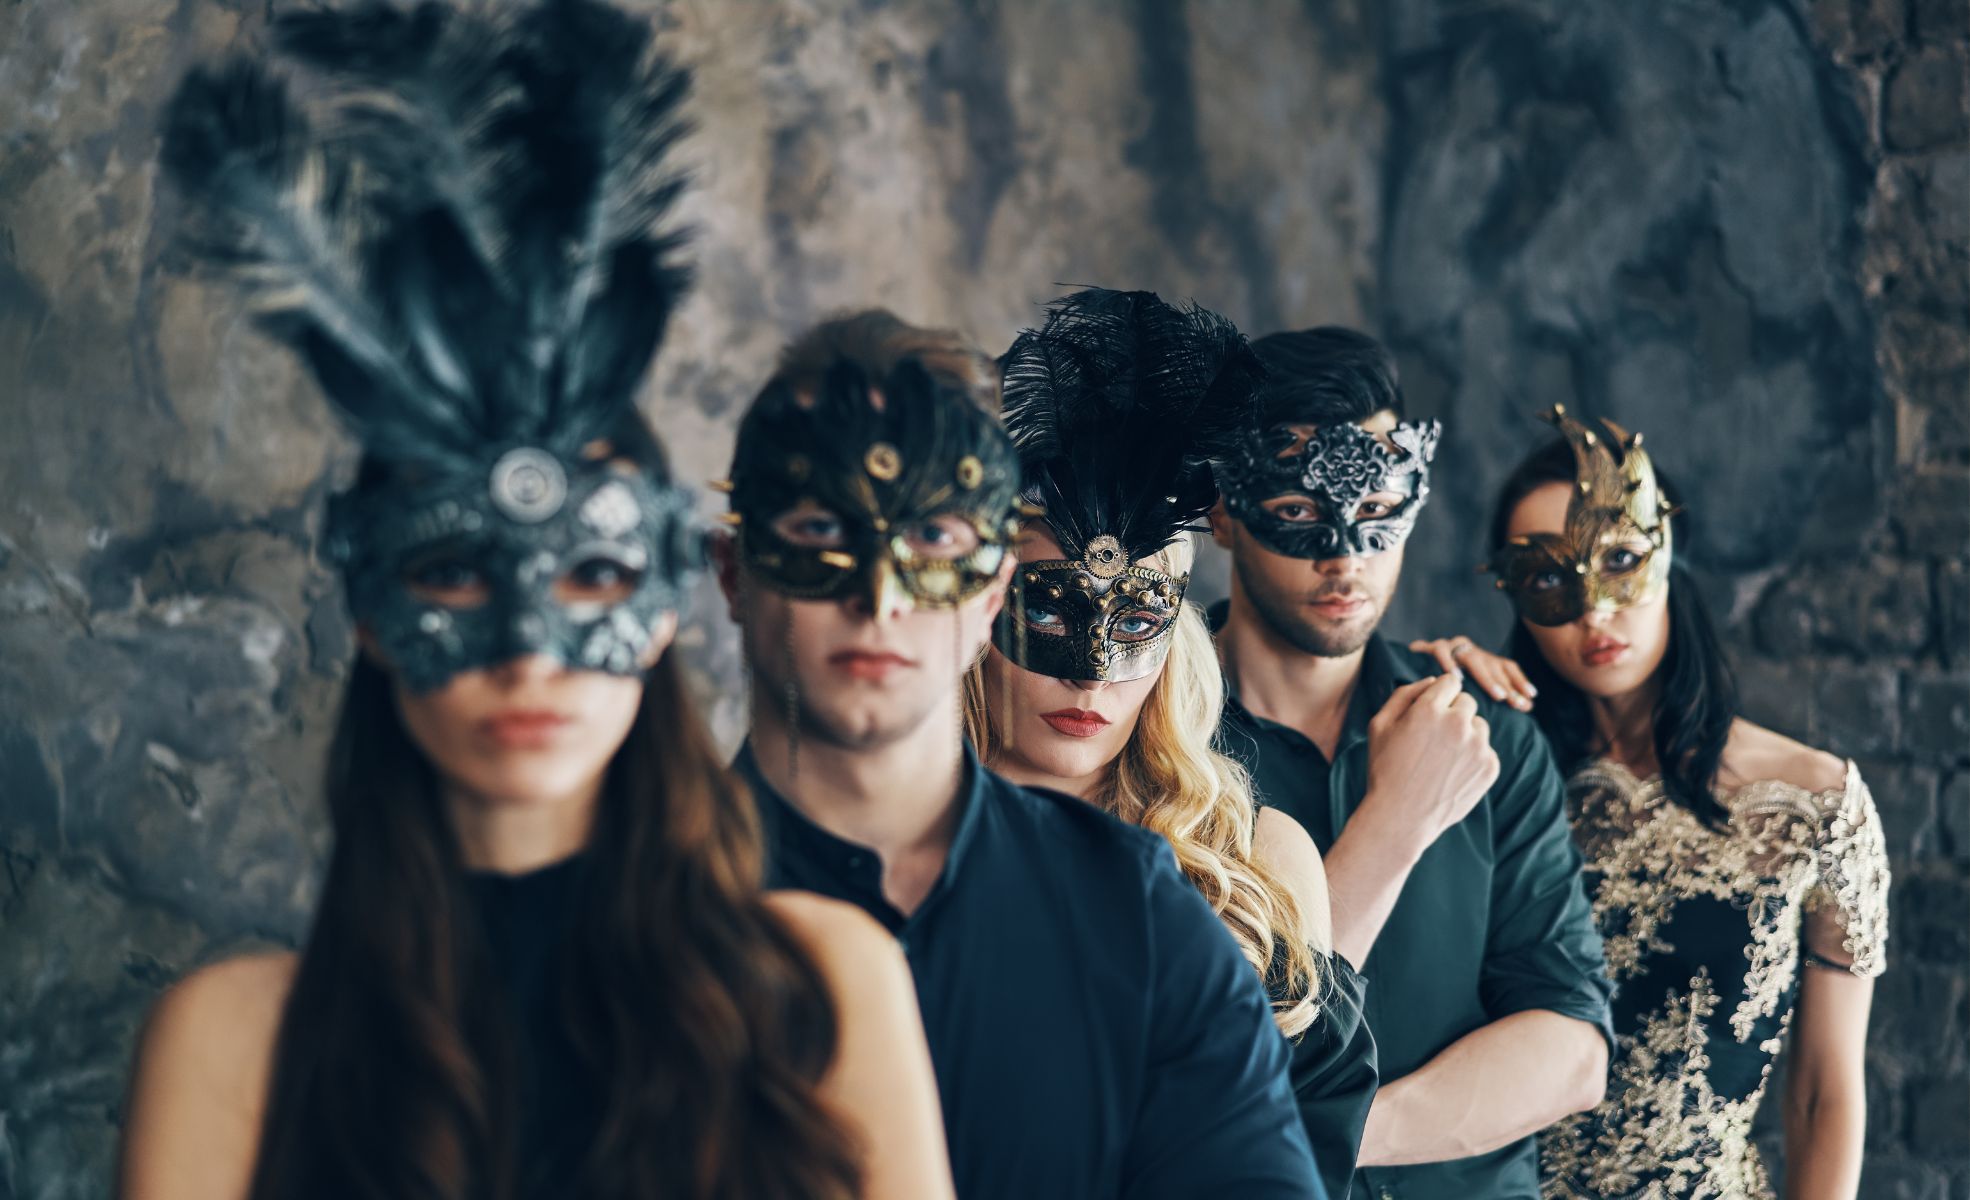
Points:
1754	753
854	953
1287	850
229	1010
198	1094
1284	845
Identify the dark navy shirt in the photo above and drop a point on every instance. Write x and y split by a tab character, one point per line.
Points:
1491	921
1095	1032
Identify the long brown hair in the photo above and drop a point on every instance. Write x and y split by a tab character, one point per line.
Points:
704	1023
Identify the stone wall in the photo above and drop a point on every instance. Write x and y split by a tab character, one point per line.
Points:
170	649
1741	228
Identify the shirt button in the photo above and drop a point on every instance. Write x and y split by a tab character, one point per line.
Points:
855	862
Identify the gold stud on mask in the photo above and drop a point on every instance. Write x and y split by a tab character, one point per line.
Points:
1615	552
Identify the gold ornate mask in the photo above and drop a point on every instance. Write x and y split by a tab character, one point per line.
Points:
1615	552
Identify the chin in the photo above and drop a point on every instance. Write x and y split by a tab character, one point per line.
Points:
1609	682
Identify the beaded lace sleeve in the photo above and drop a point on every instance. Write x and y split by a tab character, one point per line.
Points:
1852	885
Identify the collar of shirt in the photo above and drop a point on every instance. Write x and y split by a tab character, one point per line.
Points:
808	855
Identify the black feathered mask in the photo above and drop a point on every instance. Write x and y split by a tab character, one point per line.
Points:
1117	404
455	218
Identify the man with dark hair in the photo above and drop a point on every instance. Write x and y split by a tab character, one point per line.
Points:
1095	1031
1439	813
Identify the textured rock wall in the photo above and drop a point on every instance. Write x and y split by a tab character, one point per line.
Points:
1741	228
170	649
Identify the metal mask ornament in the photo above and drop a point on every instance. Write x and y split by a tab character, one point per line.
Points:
1616	550
1117	404
874	488
576	560
473	265
1337	467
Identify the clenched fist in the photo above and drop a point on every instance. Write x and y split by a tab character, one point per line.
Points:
1429	757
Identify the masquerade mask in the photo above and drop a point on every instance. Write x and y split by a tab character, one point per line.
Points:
539	557
1117	405
1615	552
905	488
1337	467
477	279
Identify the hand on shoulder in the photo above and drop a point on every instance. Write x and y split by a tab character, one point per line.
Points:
199	1088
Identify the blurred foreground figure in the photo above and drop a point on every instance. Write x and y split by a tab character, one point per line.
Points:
543	964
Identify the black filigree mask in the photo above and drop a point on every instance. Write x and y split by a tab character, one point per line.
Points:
1308	496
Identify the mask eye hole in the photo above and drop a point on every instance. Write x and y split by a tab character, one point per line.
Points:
1042	617
1541	582
811	527
598	579
1294	510
1622	559
945	538
448	578
1137	625
1378	506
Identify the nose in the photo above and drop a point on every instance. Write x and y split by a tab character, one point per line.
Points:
534	667
883	598
1091	686
1338	568
1597	617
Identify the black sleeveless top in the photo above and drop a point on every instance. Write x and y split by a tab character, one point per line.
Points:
528	921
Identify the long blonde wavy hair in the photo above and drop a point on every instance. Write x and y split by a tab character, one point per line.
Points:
1170	780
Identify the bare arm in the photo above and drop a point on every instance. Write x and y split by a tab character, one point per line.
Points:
1487	1089
199	1087
881	1084
1366	869
1825	1096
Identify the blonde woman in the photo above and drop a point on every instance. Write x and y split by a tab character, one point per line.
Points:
1102	684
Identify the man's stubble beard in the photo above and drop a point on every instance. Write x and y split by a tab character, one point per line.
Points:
1283	615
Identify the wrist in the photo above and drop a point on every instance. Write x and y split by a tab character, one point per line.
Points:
1397	841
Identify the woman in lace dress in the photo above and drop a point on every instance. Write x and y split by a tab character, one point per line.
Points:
1739	877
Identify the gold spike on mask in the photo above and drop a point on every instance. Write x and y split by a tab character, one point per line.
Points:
1615	552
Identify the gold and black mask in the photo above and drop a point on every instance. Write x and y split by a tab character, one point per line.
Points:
876	488
1117	404
1615	552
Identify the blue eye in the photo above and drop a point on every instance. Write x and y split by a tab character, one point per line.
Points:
1039	616
1544	581
1137	627
1621	560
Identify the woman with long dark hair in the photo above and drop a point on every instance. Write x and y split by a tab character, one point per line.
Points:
1739	877
1102	683
542	963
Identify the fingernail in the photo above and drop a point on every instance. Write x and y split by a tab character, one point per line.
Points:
1497	693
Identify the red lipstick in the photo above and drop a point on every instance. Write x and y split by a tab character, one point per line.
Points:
1076	722
1603	651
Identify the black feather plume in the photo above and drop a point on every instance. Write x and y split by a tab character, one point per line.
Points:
456	216
1118	404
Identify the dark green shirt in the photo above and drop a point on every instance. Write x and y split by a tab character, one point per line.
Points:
1492	920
